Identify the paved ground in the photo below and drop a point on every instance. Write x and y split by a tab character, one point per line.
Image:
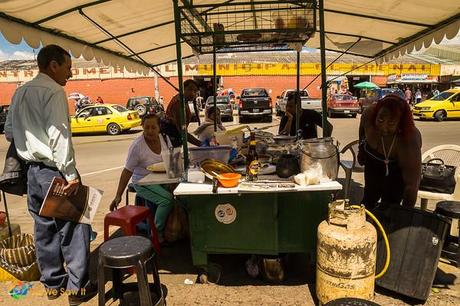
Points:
100	159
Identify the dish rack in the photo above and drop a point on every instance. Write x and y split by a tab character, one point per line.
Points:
236	26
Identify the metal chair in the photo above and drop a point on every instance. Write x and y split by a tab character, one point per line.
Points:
450	154
350	166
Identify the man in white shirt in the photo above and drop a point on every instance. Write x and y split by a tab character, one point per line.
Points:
38	121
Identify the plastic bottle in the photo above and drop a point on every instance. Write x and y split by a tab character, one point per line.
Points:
234	150
252	162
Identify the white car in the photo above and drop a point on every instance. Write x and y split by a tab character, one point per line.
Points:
306	101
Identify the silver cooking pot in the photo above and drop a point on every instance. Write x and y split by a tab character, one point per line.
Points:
320	151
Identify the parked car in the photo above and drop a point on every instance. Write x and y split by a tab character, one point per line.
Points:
342	104
305	100
110	118
224	104
145	105
445	105
376	94
255	103
3	114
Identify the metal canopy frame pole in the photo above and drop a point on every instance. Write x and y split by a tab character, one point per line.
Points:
214	86
180	84
298	102
133	54
323	67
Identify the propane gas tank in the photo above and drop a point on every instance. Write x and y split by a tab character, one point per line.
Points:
346	254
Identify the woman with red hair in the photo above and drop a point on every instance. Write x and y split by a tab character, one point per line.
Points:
390	150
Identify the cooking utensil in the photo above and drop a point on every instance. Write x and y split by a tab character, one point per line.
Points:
209	165
284	139
229	180
320	151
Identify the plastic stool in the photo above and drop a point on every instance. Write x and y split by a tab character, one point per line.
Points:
350	302
127	218
451	209
130	252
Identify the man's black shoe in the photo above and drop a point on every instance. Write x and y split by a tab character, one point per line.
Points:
83	295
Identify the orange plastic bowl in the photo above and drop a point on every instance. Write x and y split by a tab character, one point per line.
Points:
229	180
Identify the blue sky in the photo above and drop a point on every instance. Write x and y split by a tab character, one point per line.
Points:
9	51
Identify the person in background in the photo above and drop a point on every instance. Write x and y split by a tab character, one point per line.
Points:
390	150
408	95
308	121
171	124
205	131
143	152
82	103
38	121
435	92
418	96
99	100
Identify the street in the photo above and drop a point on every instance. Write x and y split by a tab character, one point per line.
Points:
100	159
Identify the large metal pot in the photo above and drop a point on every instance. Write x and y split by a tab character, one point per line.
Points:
320	151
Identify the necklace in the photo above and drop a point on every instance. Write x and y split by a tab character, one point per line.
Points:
387	156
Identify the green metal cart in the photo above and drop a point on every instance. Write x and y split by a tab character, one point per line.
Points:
264	223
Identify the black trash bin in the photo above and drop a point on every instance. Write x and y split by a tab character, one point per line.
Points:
416	238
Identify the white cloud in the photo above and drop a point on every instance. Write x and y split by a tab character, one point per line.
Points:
16	55
22	55
3	55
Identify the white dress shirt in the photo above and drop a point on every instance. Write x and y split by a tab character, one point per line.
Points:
38	121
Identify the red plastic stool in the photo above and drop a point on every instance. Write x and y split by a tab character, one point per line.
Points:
127	218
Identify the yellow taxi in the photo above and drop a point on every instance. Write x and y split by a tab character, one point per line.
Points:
445	105
110	118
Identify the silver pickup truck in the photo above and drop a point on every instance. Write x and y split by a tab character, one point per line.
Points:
306	102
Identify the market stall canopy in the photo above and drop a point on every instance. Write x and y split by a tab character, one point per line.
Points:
365	85
140	34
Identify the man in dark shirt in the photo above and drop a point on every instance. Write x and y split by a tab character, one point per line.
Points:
308	121
171	124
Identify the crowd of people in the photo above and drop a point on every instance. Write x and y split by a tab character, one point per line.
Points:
417	95
38	121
